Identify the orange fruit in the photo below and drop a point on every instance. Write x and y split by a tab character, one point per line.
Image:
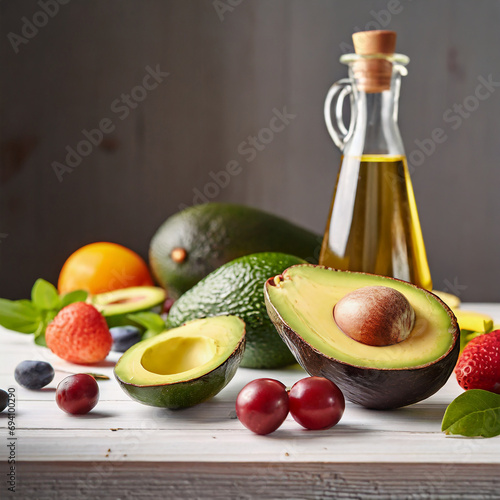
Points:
79	334
103	267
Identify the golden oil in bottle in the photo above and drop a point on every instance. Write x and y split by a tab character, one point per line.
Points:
373	224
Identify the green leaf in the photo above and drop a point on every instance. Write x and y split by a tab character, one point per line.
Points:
47	317
40	334
44	295
74	296
153	323
466	336
98	376
473	413
27	303
33	316
19	315
150	333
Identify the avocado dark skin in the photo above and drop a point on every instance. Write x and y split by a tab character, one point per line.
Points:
192	243
375	388
236	288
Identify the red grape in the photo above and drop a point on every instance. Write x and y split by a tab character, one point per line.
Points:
167	305
262	405
77	394
316	403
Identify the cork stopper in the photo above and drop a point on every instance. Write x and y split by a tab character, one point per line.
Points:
374	74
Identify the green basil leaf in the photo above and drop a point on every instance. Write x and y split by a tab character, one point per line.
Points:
40	334
49	316
473	413
44	295
74	296
151	321
150	333
19	315
27	303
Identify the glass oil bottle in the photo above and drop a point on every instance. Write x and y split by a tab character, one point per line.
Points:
373	224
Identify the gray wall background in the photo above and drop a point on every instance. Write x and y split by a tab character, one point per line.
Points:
228	70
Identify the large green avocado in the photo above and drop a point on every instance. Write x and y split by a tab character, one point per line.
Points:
184	366
301	301
194	242
237	288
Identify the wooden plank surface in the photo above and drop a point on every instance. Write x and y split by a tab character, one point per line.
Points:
235	481
204	452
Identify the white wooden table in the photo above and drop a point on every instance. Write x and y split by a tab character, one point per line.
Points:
125	450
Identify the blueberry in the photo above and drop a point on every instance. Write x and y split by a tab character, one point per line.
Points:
4	400
34	374
124	337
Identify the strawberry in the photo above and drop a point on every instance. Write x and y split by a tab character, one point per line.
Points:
479	365
79	334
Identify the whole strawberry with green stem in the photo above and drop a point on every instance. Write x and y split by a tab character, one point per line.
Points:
79	334
479	364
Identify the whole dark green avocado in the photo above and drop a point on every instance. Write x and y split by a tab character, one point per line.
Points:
192	243
237	288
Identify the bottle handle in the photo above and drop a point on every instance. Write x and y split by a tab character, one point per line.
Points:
336	95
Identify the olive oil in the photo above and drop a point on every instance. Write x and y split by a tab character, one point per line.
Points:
373	224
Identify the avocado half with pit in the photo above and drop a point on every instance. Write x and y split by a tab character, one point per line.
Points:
115	306
301	302
184	366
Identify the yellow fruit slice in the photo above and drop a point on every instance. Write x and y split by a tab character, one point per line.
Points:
452	301
474	321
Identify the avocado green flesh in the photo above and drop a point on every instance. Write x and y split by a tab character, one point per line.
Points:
183	366
237	288
128	300
305	298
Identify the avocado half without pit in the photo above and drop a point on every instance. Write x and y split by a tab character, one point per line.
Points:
386	343
184	366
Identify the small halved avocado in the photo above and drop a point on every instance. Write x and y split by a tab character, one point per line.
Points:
300	303
116	305
183	366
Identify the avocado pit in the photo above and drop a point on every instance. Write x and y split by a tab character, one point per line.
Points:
375	316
